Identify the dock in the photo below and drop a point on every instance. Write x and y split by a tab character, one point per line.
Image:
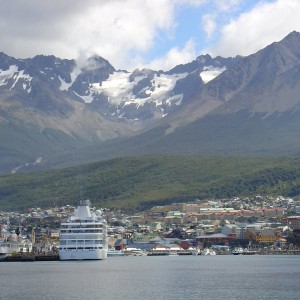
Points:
34	257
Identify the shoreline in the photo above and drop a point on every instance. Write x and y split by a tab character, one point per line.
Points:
55	257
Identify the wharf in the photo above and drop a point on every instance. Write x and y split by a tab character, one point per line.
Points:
156	253
37	257
281	252
185	253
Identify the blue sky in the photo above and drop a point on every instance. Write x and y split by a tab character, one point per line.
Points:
157	34
189	26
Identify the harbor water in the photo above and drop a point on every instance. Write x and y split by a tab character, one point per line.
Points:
156	277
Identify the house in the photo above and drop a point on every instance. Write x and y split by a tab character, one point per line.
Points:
236	231
263	235
231	230
191	208
160	249
166	249
174	217
155	226
177	233
293	222
120	244
214	239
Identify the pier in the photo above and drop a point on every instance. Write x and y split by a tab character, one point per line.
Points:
33	257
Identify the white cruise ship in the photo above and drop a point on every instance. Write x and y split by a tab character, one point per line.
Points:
84	235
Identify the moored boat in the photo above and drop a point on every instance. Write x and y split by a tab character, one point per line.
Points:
208	251
238	251
114	252
15	244
134	252
84	235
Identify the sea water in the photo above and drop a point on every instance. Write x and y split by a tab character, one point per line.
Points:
155	277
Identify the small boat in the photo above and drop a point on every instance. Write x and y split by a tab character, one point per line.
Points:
238	251
18	245
13	242
134	252
208	251
249	252
114	252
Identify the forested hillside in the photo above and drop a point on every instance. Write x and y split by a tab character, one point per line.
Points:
139	182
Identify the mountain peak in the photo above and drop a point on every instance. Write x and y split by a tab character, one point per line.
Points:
97	62
203	59
291	41
293	34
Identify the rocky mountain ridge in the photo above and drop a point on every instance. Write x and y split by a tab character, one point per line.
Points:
51	107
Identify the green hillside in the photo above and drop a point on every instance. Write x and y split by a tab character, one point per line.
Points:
140	182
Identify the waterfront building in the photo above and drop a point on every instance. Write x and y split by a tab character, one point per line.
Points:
214	239
232	230
263	235
293	222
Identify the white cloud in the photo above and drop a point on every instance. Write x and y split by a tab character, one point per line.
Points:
174	57
254	30
190	2
209	25
122	28
226	5
125	31
114	29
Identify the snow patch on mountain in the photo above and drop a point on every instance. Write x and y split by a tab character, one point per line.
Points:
163	84
88	98
7	74
209	73
64	86
21	75
117	87
37	161
13	73
27	88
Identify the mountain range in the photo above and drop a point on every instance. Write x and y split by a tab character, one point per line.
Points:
57	112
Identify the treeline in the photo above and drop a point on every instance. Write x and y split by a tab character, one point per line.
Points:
136	183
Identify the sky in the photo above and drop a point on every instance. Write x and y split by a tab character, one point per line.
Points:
155	34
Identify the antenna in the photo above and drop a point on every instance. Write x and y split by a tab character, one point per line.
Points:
86	202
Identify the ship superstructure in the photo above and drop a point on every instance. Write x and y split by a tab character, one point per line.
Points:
84	235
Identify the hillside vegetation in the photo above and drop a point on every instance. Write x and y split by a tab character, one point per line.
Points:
137	183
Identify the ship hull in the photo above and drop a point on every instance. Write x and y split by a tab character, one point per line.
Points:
91	254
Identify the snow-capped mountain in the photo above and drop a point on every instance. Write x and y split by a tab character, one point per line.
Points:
141	94
63	104
114	94
57	112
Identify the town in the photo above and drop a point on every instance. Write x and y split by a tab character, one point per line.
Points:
254	225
